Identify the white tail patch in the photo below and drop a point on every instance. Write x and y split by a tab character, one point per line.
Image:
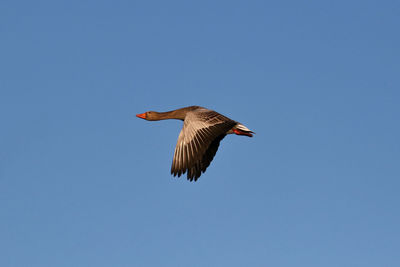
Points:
242	127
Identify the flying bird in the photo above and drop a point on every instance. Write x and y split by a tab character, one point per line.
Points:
199	139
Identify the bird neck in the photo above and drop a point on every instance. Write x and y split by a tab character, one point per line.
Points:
178	114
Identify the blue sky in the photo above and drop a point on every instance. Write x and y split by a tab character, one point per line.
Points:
83	182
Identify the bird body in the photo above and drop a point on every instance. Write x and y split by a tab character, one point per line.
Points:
199	139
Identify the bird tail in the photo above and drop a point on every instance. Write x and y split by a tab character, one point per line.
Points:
240	129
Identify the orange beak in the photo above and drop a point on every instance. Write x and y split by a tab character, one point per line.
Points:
142	116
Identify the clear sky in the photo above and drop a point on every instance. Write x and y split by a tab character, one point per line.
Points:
83	182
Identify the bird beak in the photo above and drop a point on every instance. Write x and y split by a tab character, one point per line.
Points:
142	116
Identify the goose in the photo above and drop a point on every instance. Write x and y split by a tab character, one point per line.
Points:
203	129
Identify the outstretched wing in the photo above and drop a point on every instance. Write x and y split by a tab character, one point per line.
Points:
198	142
